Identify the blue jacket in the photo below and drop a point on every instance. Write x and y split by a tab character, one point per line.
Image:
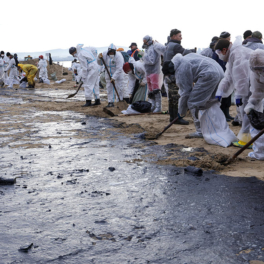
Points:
220	62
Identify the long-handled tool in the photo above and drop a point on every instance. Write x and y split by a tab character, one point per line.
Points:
122	105
245	147
167	127
71	95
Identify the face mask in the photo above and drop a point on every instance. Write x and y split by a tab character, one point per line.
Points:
75	55
144	46
111	56
261	77
130	72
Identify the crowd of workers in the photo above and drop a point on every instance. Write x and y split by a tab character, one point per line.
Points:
202	83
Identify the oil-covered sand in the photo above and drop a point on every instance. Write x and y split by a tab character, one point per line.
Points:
74	208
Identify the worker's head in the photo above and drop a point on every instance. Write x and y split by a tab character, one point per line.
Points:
256	61
8	54
73	51
19	68
111	51
222	49
247	34
213	41
75	60
222	45
175	34
128	68
257	34
2	54
41	57
225	35
147	40
133	46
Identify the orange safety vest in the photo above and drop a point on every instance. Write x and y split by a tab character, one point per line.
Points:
132	55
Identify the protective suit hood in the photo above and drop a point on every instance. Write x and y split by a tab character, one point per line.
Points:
256	60
176	60
112	46
79	48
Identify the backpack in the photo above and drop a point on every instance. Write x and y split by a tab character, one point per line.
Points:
125	56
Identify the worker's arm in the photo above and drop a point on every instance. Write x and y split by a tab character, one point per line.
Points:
119	65
184	79
151	56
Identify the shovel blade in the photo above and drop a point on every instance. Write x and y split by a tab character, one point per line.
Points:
122	105
71	95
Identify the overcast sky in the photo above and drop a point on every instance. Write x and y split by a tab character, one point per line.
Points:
28	26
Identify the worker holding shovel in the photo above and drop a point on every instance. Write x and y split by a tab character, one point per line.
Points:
114	62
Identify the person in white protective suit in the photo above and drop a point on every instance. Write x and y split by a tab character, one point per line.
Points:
2	72
42	66
76	67
13	70
255	101
137	80
125	76
198	78
236	78
114	62
152	61
6	61
89	72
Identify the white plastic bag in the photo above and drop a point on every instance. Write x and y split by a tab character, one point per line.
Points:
46	80
61	81
214	127
23	85
130	111
258	145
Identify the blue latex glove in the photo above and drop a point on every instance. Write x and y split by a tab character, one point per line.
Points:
218	98
180	117
239	102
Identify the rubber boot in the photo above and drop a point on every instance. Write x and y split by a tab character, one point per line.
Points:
152	101
127	100
179	121
88	103
30	86
97	102
228	115
110	105
40	80
157	103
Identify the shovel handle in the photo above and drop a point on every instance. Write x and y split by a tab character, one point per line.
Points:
168	126
102	59
248	144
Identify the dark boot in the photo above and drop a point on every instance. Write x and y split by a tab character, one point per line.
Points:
88	103
40	80
179	121
97	102
228	115
30	86
110	105
127	100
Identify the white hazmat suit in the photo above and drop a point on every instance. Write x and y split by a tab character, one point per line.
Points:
206	74
139	73
115	67
236	78
42	66
13	71
89	71
255	101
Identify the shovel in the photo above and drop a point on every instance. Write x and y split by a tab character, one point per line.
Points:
167	127
230	160
122	105
71	95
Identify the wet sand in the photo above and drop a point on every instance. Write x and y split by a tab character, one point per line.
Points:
75	209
